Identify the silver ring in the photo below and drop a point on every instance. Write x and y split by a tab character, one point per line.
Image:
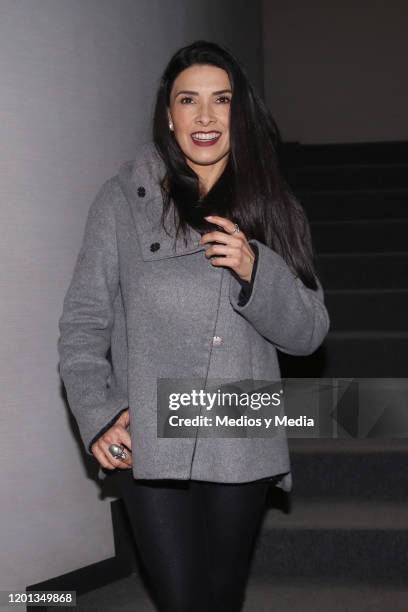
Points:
236	228
117	451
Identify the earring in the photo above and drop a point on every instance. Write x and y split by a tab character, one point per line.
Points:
170	125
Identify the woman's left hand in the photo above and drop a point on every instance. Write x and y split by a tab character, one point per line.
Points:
237	253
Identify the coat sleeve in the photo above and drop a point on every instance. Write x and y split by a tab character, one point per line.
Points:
246	286
94	395
281	307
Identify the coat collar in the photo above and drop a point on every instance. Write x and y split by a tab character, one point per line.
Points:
139	180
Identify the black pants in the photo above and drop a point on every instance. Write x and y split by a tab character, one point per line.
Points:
194	538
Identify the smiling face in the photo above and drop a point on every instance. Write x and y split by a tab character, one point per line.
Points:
200	112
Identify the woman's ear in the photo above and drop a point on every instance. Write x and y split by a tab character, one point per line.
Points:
169	119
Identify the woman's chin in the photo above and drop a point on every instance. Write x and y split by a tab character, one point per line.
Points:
204	158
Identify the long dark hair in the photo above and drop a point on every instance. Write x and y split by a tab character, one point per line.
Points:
251	191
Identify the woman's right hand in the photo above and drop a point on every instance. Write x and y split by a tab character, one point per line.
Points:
117	434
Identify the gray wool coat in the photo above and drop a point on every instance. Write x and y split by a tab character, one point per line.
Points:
159	311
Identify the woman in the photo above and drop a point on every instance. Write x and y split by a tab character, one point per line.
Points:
212	305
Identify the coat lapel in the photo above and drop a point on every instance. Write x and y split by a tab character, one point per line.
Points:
139	180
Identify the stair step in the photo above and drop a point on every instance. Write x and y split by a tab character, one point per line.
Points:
364	204
351	355
131	594
366	354
366	235
363	270
377	475
349	540
345	153
340	446
295	595
367	309
347	176
350	515
368	335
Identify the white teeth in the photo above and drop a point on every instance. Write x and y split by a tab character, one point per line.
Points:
202	136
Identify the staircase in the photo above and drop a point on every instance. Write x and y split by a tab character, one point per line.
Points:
345	524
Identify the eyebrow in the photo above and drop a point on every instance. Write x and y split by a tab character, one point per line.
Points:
195	93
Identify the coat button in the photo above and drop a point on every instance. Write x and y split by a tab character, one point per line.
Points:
141	192
217	340
155	246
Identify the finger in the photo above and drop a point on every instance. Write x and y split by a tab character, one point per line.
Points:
123	464
119	435
222	237
116	461
105	458
221	249
227	224
124	436
229	262
101	458
115	435
228	257
124	418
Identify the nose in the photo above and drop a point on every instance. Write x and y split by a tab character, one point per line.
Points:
204	114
